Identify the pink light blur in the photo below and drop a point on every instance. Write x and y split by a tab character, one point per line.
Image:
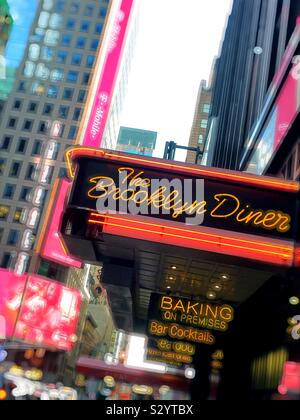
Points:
105	89
39	311
291	378
53	246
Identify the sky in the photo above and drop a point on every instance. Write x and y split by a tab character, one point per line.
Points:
176	45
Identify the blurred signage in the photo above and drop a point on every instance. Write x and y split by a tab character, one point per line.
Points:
39	311
290	379
106	72
224	204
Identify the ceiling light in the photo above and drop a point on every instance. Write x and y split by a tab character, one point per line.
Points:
217	287
190	373
294	300
168	287
174	267
171	278
211	295
225	277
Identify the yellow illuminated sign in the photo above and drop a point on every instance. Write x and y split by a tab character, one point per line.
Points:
169	356
104	187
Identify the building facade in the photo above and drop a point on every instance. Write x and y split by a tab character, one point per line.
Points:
200	122
49	53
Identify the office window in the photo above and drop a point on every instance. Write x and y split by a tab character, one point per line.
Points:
15	169
18	215
2	166
74	8
38	88
32	107
6	260
63	173
56	21
206	108
30	173
60	6
27	126
25	193
94	44
48	109
12	122
51	38
22	145
200	140
103	12
61	57
9	191
68	94
47	54
22	86
72	133
204	123
57	75
52	92
4	212
5	144
17	104
43	127
86	78
76	114
70	24
13	237
90	60
37	148
72	76
98	28
85	26
63	111
89	10
66	40
81	96
80	42
76	59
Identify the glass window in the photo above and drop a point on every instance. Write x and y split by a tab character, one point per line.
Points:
52	150
31	171
56	21
12	122
103	12
13	237
52	92
90	60
72	133
6	260
28	125
98	28
43	127
47	54
17	104
63	173
81	96
70	24
46	174
72	76
74	8
57	75
89	10
51	38
4	212
80	42
61	56
32	107
25	193
22	86
37	148
204	123
17	215
76	59
2	166
84	26
22	145
9	191
200	140
206	108
6	141
38	88
94	44
15	169
66	40
48	109
60	6
86	78
68	94
76	114
63	111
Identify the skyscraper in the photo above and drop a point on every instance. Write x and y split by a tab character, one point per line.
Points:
134	140
49	57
